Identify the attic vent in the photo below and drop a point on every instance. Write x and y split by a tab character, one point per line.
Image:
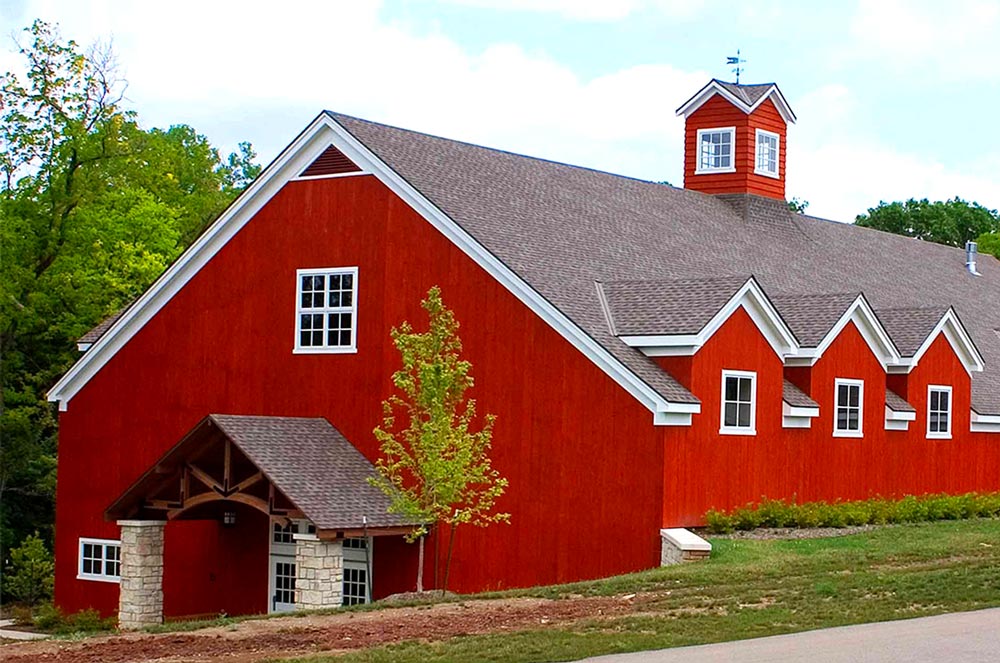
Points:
331	162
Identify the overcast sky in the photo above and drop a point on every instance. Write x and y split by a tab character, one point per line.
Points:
894	99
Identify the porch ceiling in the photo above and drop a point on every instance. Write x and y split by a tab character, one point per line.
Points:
285	466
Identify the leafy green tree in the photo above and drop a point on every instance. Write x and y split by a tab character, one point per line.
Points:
434	467
952	222
30	574
93	208
989	243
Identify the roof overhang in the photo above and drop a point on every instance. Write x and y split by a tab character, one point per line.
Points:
714	88
752	299
958	337
985	423
861	313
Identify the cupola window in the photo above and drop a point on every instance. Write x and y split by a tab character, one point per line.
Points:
767	153
715	150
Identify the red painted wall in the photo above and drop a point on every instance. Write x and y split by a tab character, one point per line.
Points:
717	112
591	479
223	344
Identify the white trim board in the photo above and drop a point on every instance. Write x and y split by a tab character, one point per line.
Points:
860	312
714	88
961	343
320	134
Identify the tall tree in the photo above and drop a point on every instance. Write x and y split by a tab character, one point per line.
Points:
92	209
434	467
952	222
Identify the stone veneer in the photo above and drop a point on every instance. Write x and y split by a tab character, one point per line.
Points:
680	545
319	570
140	601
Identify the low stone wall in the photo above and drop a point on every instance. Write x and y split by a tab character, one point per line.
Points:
140	601
319	570
681	545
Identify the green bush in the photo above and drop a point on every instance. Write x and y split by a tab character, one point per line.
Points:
874	511
31	572
51	619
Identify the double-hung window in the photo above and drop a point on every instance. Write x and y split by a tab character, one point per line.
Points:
938	412
767	153
715	150
848	408
739	403
99	559
326	310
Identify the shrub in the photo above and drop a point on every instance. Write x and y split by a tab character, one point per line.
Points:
50	618
873	511
29	576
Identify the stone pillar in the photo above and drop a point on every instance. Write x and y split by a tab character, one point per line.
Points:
319	570
140	599
680	545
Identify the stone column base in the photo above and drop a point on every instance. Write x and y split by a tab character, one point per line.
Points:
680	545
140	597
319	570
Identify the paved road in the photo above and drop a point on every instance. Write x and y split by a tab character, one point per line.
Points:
967	637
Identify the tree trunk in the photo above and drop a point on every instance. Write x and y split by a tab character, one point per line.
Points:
437	555
420	565
447	564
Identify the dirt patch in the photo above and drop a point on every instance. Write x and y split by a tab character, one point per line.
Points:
766	533
257	640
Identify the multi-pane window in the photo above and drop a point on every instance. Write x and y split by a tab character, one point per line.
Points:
284	533
938	411
739	395
326	310
284	582
767	153
355	585
848	407
100	559
355	544
715	149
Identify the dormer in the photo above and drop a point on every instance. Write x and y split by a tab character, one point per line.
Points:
734	139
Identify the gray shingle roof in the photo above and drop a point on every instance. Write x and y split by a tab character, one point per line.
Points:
910	327
562	228
795	396
667	307
897	403
749	94
315	466
811	317
104	325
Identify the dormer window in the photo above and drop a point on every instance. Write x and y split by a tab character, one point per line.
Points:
767	153
715	150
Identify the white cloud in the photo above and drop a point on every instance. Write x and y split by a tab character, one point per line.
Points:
952	40
590	10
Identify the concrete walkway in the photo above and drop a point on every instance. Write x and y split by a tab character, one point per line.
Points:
966	637
11	634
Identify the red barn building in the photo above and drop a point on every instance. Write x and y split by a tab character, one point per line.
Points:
651	353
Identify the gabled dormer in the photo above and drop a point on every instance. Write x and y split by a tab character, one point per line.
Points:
734	139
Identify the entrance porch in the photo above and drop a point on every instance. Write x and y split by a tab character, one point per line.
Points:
299	476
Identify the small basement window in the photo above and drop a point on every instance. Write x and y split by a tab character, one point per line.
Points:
326	310
767	153
100	559
739	403
848	408
938	412
715	150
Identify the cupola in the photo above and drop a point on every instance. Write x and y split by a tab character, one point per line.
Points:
734	139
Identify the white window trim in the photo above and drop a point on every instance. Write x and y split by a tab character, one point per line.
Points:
777	154
325	350
861	407
101	577
946	435
698	170
737	430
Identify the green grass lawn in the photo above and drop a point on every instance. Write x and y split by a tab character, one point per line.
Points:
755	588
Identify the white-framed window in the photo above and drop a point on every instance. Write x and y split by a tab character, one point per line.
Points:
939	412
326	310
99	559
739	403
848	408
355	589
768	144
716	149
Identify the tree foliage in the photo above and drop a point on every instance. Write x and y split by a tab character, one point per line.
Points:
28	578
952	222
93	207
435	467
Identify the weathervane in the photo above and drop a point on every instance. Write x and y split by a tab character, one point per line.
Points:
737	60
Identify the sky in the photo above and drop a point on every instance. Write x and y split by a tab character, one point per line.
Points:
894	99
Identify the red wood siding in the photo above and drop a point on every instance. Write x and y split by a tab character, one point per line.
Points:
717	112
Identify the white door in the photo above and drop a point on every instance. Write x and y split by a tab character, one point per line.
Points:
357	563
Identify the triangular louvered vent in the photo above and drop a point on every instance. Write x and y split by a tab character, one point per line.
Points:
331	162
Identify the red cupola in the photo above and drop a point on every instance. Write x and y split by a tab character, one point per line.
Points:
734	139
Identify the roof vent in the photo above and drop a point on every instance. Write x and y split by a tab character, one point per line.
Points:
331	162
971	253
